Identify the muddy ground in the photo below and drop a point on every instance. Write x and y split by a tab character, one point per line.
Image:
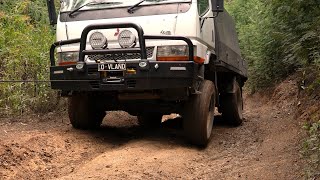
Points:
266	146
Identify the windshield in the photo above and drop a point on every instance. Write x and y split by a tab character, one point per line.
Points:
69	5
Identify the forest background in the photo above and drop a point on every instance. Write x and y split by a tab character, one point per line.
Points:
277	38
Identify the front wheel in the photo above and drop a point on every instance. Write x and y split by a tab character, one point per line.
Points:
83	113
198	114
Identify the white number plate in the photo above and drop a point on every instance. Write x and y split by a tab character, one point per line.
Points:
112	67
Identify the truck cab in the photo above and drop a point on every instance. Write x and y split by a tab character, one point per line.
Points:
149	58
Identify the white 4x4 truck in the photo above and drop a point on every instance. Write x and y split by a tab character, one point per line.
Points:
148	58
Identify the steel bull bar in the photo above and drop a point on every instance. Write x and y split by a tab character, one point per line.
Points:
152	77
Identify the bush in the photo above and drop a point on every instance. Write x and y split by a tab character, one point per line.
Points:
277	37
311	150
25	38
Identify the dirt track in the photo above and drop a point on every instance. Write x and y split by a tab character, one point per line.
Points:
265	147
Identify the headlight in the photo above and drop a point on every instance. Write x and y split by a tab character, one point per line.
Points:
176	53
165	51
66	58
127	39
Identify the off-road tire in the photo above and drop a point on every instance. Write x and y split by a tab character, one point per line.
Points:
232	106
150	120
198	115
83	114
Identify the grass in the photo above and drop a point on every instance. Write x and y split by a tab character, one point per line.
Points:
311	150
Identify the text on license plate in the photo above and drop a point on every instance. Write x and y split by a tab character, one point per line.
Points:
112	67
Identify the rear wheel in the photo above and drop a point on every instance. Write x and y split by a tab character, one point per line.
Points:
199	114
83	113
232	106
151	120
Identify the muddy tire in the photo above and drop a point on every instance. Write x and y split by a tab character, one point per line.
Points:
198	115
150	120
82	112
232	106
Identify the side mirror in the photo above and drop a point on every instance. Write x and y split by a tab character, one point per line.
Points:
217	5
52	12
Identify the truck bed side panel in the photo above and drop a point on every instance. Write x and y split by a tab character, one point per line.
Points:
228	50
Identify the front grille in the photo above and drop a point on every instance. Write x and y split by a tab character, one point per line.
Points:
121	56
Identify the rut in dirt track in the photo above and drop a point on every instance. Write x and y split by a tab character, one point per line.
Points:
266	146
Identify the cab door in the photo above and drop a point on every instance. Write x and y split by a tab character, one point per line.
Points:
206	25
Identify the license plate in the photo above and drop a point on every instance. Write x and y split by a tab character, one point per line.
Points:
112	67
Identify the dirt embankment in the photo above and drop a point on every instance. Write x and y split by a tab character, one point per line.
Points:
266	146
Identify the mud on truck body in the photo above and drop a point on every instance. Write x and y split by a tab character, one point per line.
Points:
148	58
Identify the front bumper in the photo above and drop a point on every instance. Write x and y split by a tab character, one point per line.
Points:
157	75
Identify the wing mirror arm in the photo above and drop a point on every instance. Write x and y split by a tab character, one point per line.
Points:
203	19
217	6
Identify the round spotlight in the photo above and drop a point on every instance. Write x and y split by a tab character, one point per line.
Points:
127	39
98	41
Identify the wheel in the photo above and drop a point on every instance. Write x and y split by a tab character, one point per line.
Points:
151	120
83	114
232	106
198	114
